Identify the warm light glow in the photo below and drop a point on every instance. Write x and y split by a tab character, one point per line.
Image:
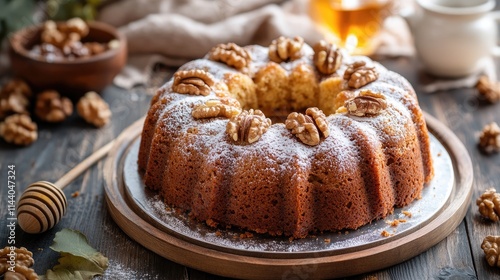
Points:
351	43
352	24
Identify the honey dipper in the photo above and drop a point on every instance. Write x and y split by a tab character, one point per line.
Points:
43	204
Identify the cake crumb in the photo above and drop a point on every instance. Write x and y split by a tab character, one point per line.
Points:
396	222
40	249
75	194
211	223
327	240
407	213
393	223
246	235
385	233
218	233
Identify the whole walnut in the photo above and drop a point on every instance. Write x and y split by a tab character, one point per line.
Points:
489	204
52	107
22	263
93	109
14	98
16	85
491	249
51	35
74	25
248	126
19	129
358	74
23	257
308	127
488	89
489	138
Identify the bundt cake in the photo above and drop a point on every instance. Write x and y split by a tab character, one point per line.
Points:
285	140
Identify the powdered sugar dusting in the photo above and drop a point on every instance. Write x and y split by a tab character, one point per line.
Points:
217	69
117	270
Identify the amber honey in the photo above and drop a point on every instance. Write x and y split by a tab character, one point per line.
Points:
352	24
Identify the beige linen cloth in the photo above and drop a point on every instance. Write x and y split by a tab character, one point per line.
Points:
173	32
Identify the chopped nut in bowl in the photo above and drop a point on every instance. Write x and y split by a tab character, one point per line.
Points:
67	59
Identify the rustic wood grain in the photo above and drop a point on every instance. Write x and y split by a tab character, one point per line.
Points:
61	147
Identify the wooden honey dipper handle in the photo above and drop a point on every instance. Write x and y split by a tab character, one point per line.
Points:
84	165
43	204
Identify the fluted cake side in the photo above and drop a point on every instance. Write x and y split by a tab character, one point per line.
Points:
307	172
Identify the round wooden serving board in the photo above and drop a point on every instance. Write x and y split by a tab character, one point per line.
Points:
325	261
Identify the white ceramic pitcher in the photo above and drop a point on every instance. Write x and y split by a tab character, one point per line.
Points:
453	37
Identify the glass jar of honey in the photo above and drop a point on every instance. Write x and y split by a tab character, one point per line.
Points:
351	24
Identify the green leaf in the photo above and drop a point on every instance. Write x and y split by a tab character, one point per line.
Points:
66	9
78	259
14	15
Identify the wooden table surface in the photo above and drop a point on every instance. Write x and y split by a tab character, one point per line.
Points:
62	146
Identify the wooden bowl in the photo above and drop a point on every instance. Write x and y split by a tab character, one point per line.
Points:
72	78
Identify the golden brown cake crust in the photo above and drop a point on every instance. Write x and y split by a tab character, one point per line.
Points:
357	172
